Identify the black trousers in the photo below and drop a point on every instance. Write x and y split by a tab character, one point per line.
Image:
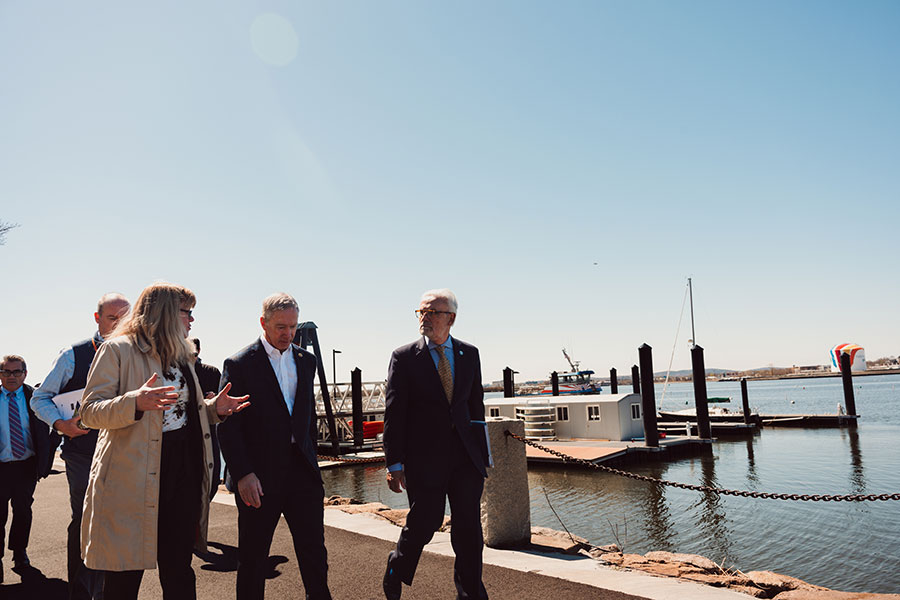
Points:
18	479
81	579
179	517
300	499
463	487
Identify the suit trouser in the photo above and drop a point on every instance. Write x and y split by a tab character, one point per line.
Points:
463	487
81	579
18	479
300	500
178	520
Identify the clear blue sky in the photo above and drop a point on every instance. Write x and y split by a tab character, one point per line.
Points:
357	153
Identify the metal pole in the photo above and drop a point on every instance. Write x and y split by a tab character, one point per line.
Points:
356	398
554	382
847	377
635	379
334	353
700	397
745	400
648	396
613	382
693	335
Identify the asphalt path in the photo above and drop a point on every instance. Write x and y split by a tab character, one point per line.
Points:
356	564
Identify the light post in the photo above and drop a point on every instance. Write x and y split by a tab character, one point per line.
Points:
334	354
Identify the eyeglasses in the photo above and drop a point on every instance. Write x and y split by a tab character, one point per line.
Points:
427	312
16	373
187	313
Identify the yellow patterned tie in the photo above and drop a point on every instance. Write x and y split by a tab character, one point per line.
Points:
445	372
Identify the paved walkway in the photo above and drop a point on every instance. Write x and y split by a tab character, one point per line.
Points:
357	549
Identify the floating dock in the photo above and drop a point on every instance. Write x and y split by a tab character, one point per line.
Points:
615	453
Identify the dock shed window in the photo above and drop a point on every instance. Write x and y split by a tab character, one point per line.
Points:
562	413
593	413
494	411
636	412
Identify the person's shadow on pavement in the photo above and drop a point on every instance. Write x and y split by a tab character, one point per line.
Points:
226	560
34	585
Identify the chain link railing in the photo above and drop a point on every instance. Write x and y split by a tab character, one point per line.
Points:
705	488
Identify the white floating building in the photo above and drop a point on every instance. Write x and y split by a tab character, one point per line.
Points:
591	416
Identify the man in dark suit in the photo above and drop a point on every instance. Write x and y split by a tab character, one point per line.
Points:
435	447
25	457
270	450
209	378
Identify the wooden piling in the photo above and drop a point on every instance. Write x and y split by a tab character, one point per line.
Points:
554	382
648	396
745	400
700	398
613	382
356	400
847	378
508	390
635	379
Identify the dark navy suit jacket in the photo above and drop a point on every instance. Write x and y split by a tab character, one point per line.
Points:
258	439
418	421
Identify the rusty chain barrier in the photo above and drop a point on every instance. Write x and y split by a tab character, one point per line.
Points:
704	488
352	461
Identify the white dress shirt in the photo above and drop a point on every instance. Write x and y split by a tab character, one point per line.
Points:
285	370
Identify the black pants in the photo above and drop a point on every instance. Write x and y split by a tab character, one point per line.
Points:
81	579
300	500
179	517
463	487
17	481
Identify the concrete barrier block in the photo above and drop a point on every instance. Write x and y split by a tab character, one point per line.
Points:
505	506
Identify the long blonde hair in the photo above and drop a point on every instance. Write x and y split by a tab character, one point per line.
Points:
156	320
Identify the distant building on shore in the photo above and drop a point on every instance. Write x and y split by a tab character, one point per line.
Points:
856	353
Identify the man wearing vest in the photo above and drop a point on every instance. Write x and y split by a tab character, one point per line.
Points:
69	373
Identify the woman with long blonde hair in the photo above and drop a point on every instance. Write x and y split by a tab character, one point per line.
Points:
147	498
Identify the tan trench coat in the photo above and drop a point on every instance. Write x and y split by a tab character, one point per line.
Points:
118	529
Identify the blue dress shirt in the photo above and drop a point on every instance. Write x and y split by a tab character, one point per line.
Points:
61	372
6	454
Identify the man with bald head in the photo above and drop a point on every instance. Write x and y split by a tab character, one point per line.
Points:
68	374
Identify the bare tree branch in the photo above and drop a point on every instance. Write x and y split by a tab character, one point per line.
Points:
4	229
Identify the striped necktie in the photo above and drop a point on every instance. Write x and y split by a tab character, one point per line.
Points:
16	440
445	372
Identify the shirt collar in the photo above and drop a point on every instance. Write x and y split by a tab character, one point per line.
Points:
448	343
5	391
272	350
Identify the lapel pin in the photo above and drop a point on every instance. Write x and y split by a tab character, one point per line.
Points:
460	352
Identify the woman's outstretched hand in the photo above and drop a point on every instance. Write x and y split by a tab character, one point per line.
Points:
227	405
155	398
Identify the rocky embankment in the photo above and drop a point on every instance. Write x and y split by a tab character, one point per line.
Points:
761	584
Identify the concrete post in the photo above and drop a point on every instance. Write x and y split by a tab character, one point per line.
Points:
613	381
505	507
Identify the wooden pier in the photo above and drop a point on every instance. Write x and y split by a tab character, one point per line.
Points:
616	454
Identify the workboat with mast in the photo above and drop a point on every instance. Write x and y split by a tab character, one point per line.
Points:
576	381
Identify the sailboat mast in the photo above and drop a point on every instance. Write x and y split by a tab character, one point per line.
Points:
693	335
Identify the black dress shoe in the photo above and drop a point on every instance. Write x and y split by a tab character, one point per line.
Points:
391	582
20	560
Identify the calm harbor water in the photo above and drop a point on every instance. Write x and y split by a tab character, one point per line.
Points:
845	546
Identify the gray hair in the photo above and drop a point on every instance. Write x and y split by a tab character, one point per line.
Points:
14	358
278	301
107	298
443	294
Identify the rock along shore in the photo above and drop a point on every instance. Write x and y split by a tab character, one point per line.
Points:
688	567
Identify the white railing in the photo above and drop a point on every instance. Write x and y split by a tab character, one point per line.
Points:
373	397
